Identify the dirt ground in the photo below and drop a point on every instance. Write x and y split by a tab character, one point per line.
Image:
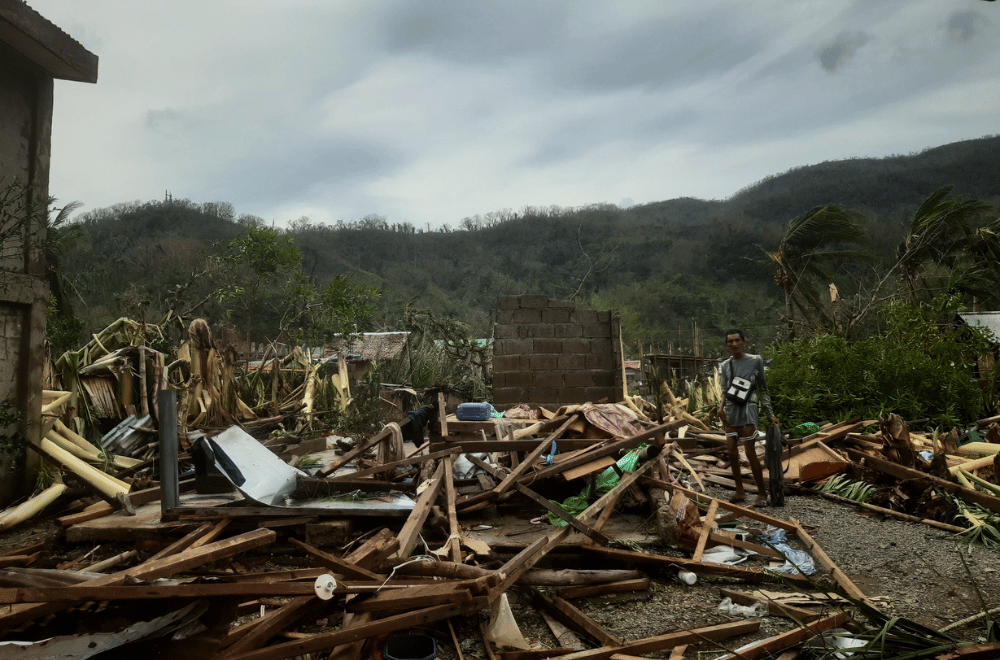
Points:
911	570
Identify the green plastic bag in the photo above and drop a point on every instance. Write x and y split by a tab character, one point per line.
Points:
605	482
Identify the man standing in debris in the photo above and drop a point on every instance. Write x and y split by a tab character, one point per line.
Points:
744	389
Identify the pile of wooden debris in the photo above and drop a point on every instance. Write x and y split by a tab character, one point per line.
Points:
256	554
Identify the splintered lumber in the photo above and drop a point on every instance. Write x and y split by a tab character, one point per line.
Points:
572	521
679	455
323	641
566	638
610	449
742	511
388	467
454	531
901	472
544	577
796	614
273	623
770	646
628	557
374	550
623	587
336	564
508	482
570	616
411	528
150	570
889	512
669	641
845	582
361	448
706	529
411	597
155	592
32	507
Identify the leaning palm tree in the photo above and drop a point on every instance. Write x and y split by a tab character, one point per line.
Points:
811	243
941	233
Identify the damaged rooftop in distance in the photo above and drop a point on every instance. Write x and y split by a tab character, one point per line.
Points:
225	526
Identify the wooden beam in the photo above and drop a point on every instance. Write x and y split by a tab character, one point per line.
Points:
570	520
323	641
845	582
669	641
706	529
154	592
900	472
770	646
386	467
569	615
273	623
354	453
590	590
743	512
336	564
414	523
454	531
796	614
659	561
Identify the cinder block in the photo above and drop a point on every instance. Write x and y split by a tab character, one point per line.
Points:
596	330
539	330
527	316
579	379
505	316
505	363
508	331
555	315
519	379
609	394
543	394
534	302
583	316
578	345
508	302
572	362
562	304
567	330
604	317
507	396
549	379
602	378
599	361
514	347
331	533
548	345
602	346
573	395
499	377
543	362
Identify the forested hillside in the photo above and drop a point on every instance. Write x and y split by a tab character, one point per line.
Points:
667	266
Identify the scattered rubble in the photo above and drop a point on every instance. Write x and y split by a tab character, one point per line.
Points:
261	545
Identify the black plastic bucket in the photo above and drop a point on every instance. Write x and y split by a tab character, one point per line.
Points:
410	647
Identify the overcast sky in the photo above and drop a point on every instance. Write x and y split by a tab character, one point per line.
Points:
430	111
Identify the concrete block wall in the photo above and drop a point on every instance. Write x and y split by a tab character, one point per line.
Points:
549	353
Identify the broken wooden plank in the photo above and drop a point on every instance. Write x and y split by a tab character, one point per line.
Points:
273	623
668	641
324	641
361	448
845	582
770	646
628	557
706	529
744	512
387	467
414	523
336	564
454	531
571	616
622	587
570	519
154	591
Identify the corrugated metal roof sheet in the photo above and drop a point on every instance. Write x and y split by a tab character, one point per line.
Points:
988	320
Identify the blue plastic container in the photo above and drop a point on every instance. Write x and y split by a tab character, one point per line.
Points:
410	647
473	412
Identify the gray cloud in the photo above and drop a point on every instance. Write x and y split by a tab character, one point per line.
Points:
962	25
832	56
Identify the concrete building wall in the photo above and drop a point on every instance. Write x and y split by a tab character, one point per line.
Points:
549	353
